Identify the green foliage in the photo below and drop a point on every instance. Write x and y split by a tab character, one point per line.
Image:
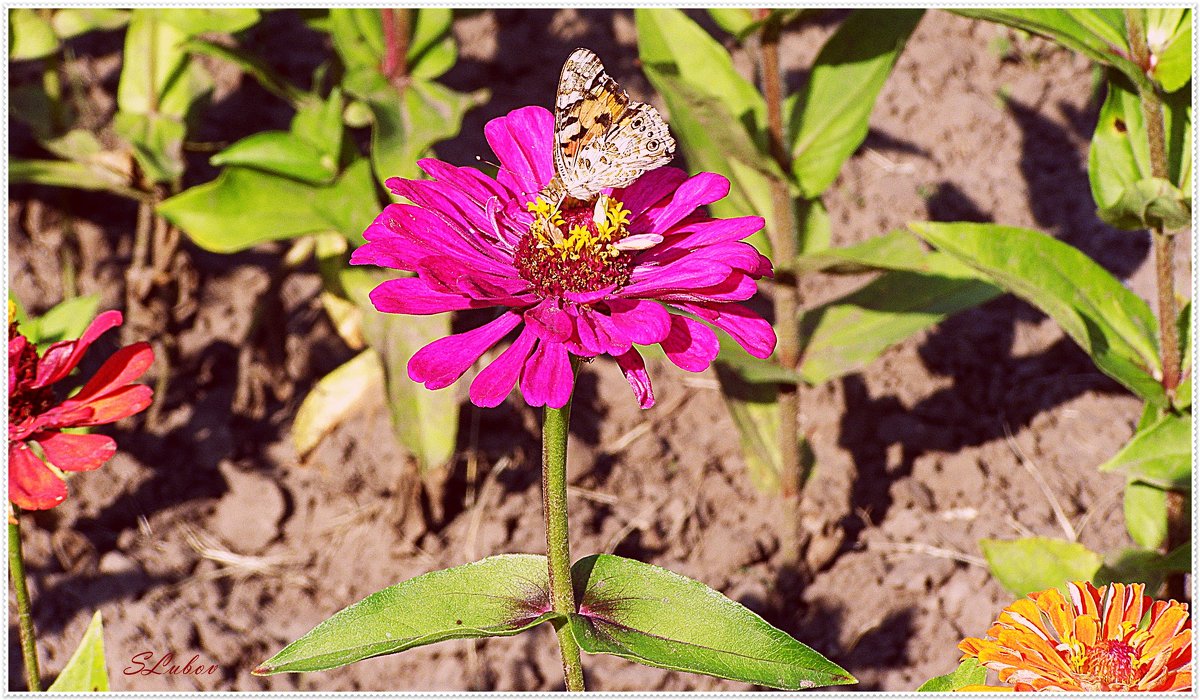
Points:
1037	563
1106	319
426	422
335	397
831	121
1169	34
65	321
1146	514
30	35
969	672
754	408
85	671
63	173
1159	455
658	618
495	597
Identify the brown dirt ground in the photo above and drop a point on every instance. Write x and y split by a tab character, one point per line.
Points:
919	456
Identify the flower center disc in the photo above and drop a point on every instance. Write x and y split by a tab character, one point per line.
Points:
1109	664
23	401
568	250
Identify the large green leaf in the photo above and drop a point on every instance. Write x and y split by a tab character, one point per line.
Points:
1097	33
969	672
846	334
244	207
64	321
425	422
846	78
432	50
754	408
1106	319
495	597
85	671
357	37
73	21
658	618
280	153
1159	455
1132	566
1038	563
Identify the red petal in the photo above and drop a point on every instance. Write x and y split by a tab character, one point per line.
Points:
62	357
31	484
113	406
76	453
126	365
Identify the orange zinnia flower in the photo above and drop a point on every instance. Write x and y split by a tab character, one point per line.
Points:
1111	638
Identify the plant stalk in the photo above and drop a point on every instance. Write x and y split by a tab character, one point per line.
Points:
787	295
16	569
1178	530
396	30
558	544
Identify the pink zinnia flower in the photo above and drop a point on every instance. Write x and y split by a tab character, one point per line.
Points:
638	267
37	416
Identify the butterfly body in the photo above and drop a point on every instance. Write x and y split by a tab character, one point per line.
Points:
603	139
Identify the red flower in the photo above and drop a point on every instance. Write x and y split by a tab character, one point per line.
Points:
37	416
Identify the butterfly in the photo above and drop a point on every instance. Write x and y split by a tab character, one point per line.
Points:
602	138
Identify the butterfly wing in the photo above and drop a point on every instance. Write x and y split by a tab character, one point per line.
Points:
602	138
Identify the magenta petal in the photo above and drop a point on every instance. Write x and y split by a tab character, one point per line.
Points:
612	340
691	345
496	381
411	295
523	141
650	189
547	379
688	273
550	321
700	189
634	368
643	322
746	327
442	362
712	231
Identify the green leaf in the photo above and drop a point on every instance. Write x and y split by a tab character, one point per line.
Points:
72	21
846	78
897	250
432	50
844	335
1178	559
1159	455
30	35
280	153
244	207
193	21
85	671
165	82
65	321
253	66
738	21
969	672
1150	203
1146	514
319	122
334	398
357	37
62	173
658	618
1169	35
1038	563
495	597
1183	392
157	141
1106	319
408	124
425	422
1098	33
1132	566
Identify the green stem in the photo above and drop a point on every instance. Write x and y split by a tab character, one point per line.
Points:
787	300
16	568
1178	522
558	544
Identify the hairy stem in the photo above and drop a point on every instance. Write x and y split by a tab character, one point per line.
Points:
787	294
1178	530
396	31
558	544
16	569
